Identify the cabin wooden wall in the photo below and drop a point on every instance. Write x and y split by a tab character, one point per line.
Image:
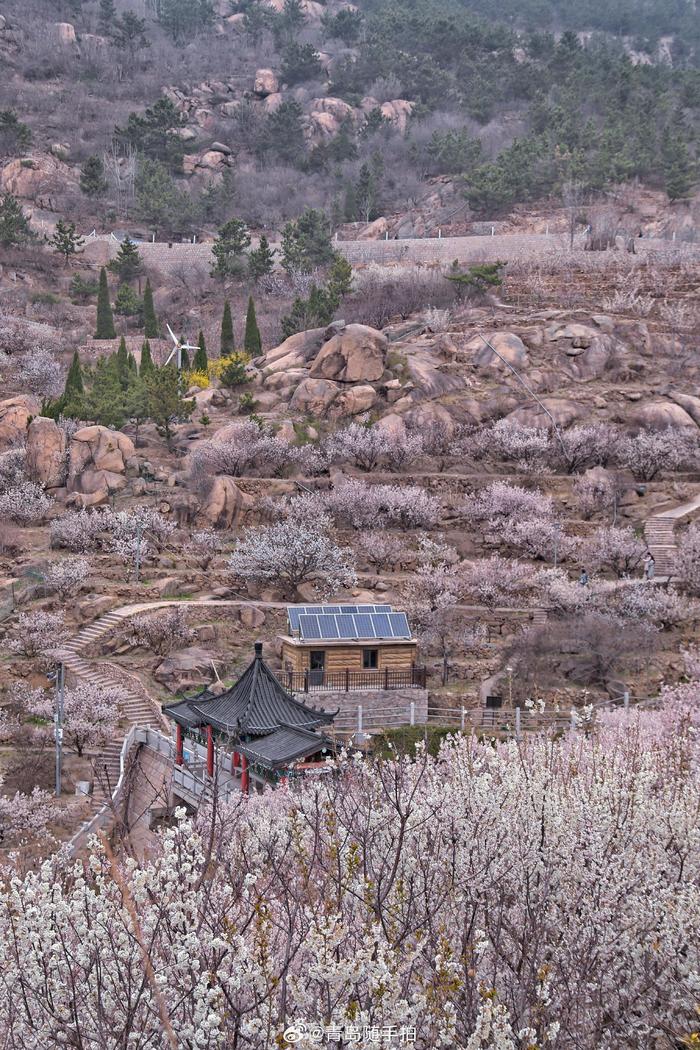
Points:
341	658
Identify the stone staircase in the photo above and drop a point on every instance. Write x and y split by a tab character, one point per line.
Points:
659	533
136	707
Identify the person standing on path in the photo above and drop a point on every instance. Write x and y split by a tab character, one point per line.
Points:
649	566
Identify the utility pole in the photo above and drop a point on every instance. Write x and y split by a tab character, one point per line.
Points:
557	529
58	724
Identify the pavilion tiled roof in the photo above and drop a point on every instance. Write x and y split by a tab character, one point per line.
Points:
286	744
255	706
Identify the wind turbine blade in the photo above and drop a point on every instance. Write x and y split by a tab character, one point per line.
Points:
170	356
172	334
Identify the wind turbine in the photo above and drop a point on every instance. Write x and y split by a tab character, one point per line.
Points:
178	348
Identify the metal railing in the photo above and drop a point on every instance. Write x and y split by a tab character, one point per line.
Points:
349	681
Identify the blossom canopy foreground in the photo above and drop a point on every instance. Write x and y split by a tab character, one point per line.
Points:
514	897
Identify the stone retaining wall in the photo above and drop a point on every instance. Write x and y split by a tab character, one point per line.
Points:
392	704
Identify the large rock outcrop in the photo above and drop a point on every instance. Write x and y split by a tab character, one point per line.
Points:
97	463
658	415
356	354
189	667
34	177
46	452
225	505
531	414
313	397
15	414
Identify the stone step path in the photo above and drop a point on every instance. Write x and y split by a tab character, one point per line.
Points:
660	534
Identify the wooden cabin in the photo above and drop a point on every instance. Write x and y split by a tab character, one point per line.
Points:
347	646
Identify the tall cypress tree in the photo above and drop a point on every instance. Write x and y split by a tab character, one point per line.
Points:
184	360
74	379
105	321
147	365
252	342
123	364
227	343
151	329
133	367
201	361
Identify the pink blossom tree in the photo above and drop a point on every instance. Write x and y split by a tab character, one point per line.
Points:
652	452
90	714
498	581
615	549
686	564
163	631
363	506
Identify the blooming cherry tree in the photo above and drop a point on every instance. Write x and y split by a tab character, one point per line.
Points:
90	714
615	549
294	551
67	577
163	631
37	633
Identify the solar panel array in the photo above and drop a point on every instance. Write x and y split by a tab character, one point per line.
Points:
335	622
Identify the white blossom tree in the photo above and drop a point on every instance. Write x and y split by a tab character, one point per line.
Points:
652	452
37	633
493	898
205	545
498	581
67	577
686	564
25	504
294	551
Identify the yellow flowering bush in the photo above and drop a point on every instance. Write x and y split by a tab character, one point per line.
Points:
200	379
239	358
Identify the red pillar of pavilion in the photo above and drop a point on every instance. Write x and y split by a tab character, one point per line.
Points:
235	760
245	776
210	751
179	756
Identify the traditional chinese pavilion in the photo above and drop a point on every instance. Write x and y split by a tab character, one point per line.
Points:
258	721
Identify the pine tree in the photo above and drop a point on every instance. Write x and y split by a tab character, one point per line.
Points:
105	321
122	358
227	342
66	240
147	365
136	403
105	401
92	178
201	361
133	367
229	249
151	328
108	15
128	263
184	360
14	225
252	342
166	405
261	260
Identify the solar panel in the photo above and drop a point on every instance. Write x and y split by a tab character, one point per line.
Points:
293	617
348	609
328	626
346	626
308	626
329	610
399	625
381	608
382	626
364	625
